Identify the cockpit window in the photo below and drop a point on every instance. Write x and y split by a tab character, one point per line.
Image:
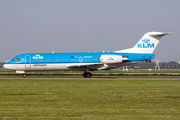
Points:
16	59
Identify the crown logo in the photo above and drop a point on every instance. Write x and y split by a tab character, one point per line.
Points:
37	57
145	40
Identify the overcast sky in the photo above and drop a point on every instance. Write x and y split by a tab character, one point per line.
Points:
29	26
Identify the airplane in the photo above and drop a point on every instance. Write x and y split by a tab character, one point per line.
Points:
87	61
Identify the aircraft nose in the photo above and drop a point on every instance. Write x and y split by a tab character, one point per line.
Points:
4	66
7	66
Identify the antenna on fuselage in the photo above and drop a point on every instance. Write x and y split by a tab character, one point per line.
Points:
52	51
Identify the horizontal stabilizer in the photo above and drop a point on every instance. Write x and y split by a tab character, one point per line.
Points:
160	34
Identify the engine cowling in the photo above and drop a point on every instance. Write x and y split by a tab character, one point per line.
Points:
107	59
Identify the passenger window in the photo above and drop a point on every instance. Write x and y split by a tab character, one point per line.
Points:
59	59
84	58
93	59
89	58
62	59
98	59
67	59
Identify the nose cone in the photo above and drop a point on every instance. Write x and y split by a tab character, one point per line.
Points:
7	66
4	66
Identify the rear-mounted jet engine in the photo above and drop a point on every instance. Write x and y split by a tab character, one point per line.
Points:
108	59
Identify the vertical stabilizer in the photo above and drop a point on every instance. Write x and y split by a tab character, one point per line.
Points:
147	43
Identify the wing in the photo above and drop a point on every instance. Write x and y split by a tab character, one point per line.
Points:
97	66
84	66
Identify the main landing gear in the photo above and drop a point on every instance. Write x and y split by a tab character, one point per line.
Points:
148	60
87	74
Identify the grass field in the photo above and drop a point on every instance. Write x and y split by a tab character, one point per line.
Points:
89	99
95	74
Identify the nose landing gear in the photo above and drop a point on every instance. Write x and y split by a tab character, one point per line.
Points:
24	75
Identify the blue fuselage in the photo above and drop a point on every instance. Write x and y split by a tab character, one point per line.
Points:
50	58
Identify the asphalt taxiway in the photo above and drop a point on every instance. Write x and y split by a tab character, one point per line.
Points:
69	78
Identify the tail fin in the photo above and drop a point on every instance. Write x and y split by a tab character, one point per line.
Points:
147	43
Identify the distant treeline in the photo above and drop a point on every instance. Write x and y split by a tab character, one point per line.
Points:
151	65
1	64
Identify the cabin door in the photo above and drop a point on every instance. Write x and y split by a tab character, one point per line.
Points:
28	61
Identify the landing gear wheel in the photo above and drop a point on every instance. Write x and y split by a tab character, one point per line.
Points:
87	74
24	75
